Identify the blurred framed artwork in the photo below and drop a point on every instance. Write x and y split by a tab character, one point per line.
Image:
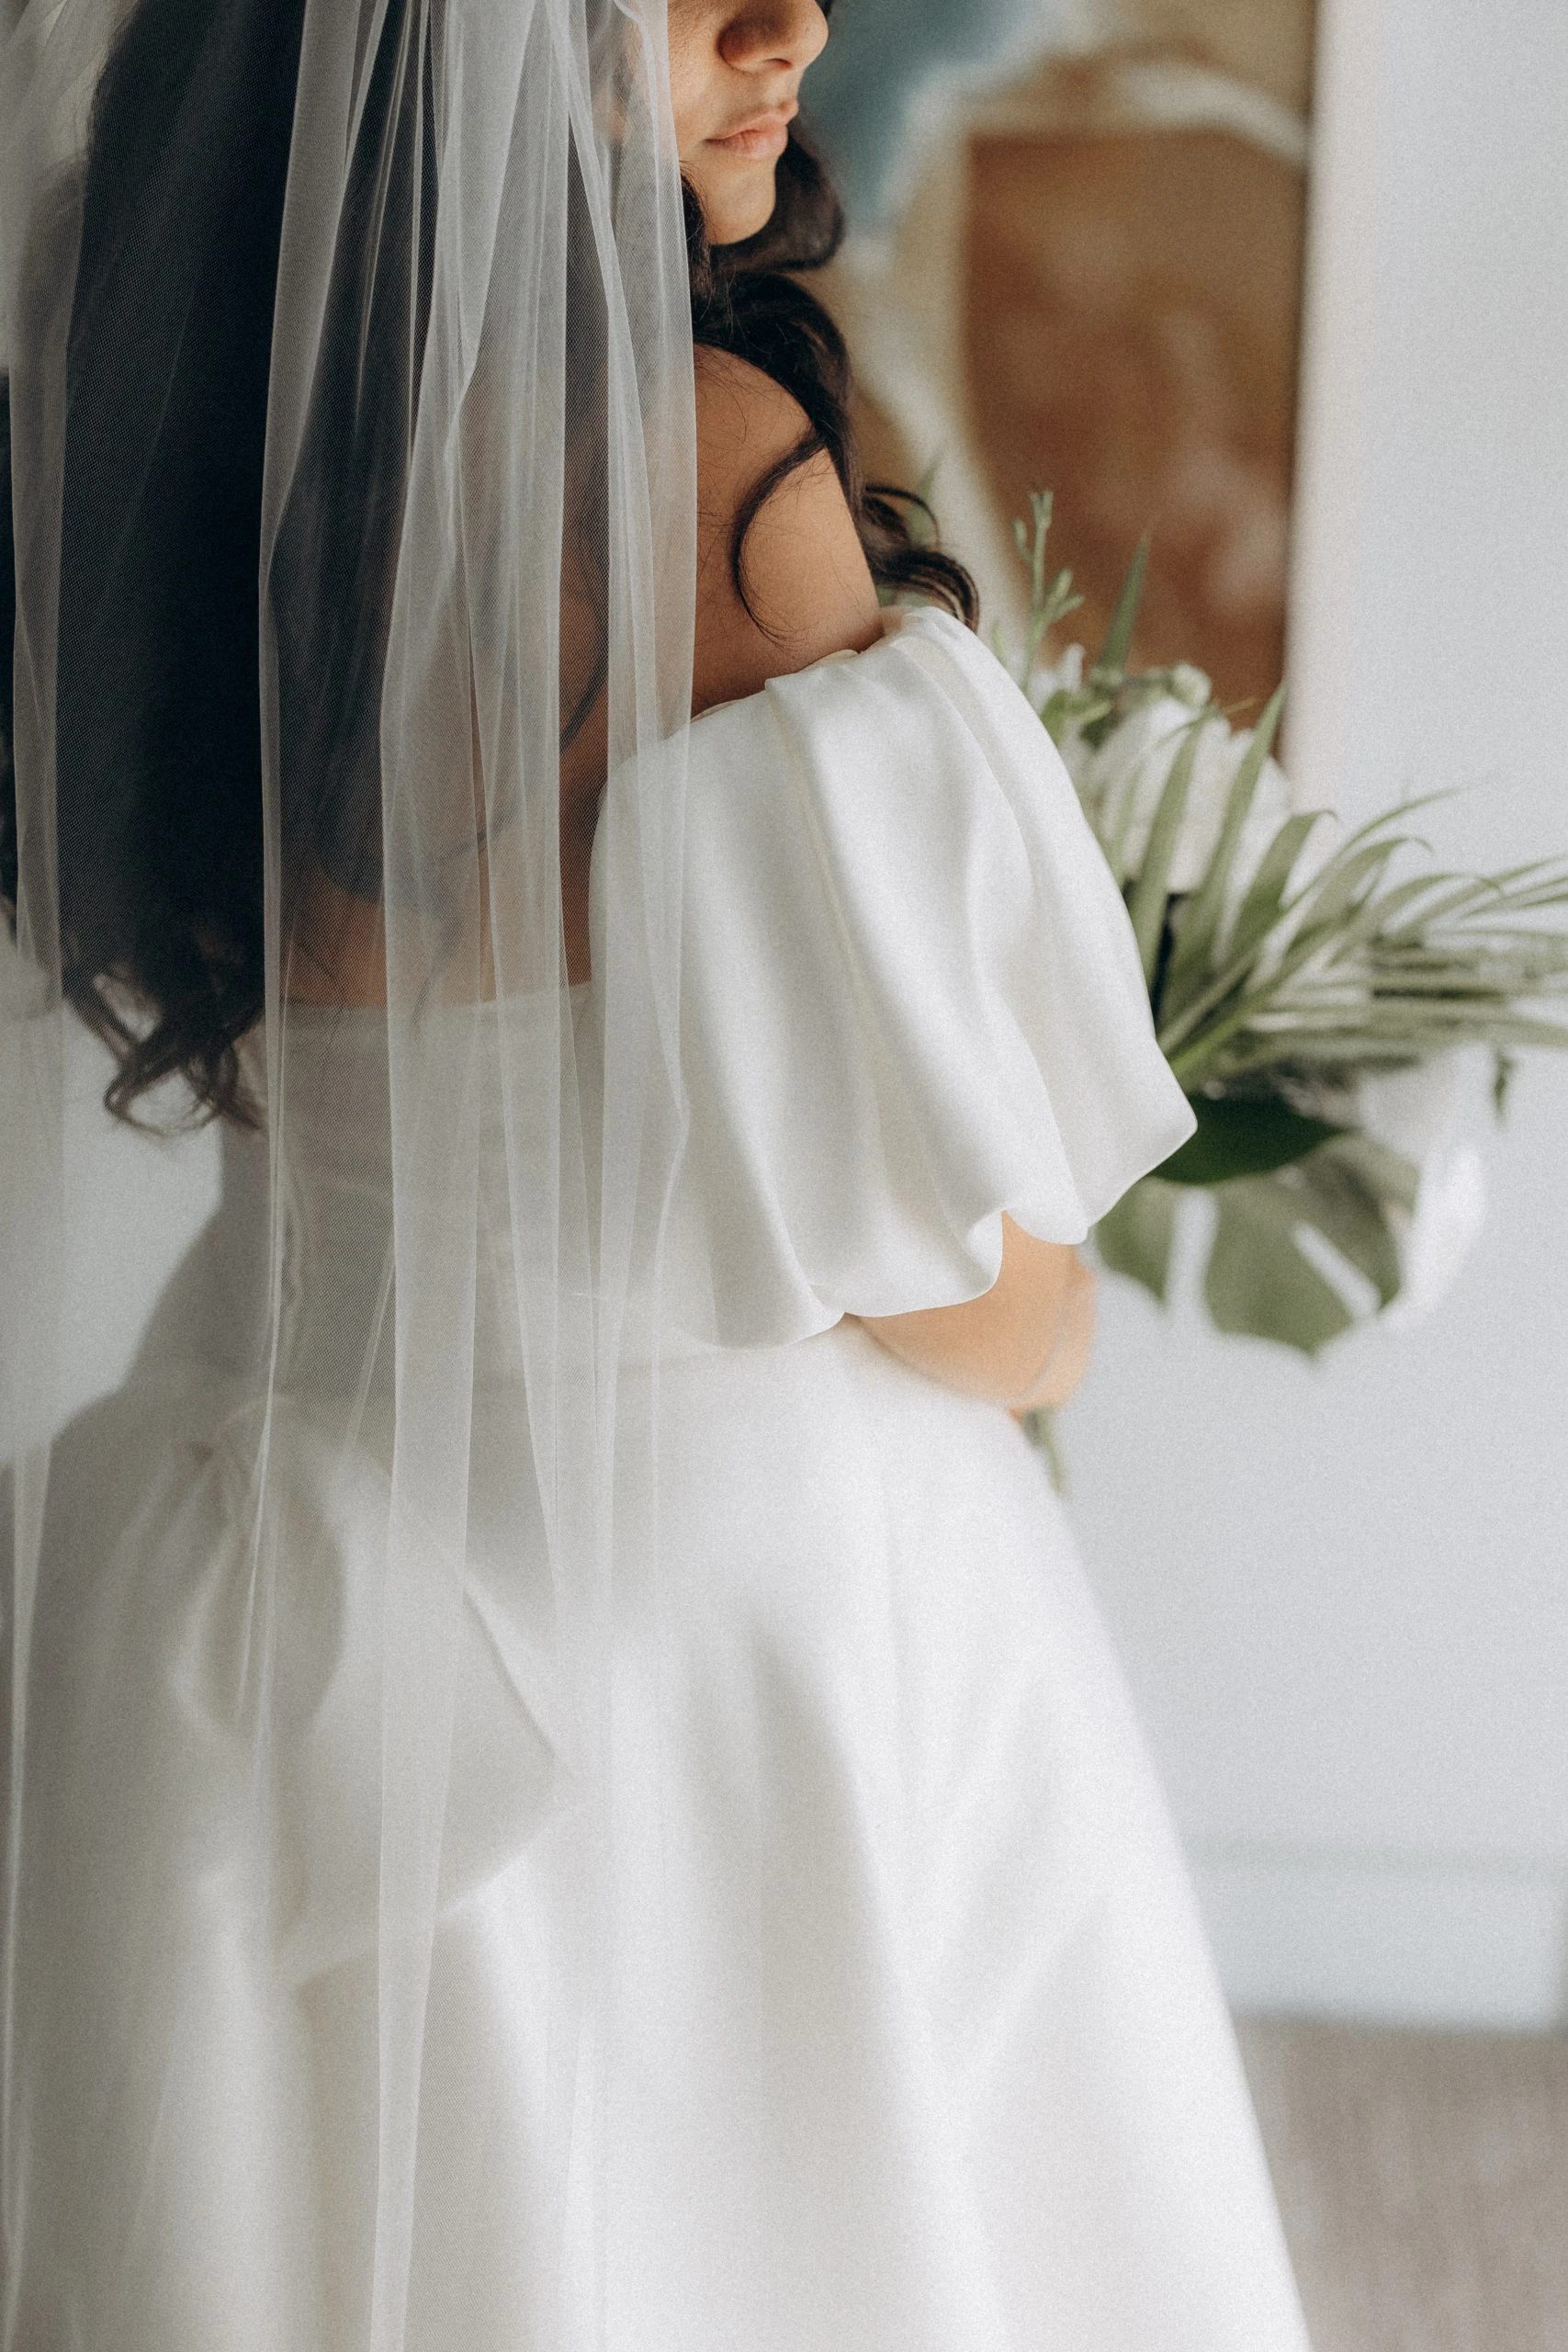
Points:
1080	267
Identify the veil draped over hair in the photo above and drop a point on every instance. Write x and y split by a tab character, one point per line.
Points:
474	599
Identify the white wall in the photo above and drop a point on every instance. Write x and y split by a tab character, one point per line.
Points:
1342	1591
162	1190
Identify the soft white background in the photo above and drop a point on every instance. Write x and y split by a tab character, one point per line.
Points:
1341	1591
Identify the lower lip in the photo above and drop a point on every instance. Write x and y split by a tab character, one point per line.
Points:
769	138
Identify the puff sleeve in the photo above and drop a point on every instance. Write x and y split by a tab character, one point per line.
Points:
911	997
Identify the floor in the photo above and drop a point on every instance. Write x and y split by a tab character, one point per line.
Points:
1423	2182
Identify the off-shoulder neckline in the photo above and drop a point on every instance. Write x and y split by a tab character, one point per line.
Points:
896	621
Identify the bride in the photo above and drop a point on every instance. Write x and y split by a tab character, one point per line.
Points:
565	1789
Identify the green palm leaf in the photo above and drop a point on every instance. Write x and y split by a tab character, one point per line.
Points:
1261	906
1201	918
1137	1235
1152	888
1118	642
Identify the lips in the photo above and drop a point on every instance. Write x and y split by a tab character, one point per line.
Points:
763	135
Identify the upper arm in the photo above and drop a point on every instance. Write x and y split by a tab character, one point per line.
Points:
808	585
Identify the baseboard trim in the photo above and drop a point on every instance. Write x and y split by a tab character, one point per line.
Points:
1386	1939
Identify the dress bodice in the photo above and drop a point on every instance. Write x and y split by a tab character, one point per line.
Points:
335	1193
910	1001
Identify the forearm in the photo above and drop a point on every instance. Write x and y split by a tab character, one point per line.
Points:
1025	1342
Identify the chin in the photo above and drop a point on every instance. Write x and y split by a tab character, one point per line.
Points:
738	211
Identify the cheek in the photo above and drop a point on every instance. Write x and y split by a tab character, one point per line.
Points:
694	71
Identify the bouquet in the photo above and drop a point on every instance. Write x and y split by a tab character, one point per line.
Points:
1310	993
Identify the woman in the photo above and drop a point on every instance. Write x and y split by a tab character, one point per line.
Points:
566	1789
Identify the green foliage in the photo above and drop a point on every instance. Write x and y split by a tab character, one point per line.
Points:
1259	1279
1137	1235
1197	940
1118	645
1040	1428
1050	600
1271	997
1149	900
1244	1135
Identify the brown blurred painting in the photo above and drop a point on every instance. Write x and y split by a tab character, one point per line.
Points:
1126	263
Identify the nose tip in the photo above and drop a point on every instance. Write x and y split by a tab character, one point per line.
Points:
787	33
816	32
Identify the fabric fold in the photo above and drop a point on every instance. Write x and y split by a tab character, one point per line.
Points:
911	996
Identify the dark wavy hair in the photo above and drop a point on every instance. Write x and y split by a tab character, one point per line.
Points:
748	301
158	702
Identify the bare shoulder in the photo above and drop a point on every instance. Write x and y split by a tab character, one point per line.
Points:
808	585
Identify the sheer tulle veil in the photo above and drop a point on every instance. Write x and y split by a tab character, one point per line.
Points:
476	563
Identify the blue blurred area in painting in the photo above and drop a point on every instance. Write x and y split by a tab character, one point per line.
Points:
884	56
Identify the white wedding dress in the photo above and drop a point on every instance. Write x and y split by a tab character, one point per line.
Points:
935	2059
